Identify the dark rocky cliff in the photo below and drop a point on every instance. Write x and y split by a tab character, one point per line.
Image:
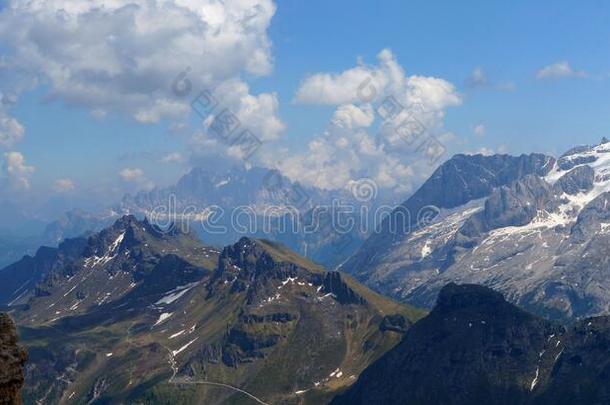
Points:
475	347
12	360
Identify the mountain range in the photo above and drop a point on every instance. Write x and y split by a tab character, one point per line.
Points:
509	254
136	314
221	208
533	227
261	203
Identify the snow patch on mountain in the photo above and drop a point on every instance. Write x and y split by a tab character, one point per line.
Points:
95	260
176	294
164	316
540	239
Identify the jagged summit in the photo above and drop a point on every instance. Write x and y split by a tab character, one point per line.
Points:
534	227
259	267
249	255
263	318
85	273
127	233
256	254
583	148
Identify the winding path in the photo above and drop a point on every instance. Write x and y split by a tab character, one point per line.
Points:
173	380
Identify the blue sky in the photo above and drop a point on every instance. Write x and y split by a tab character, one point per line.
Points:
514	107
510	41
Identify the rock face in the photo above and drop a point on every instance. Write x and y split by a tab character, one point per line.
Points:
474	347
582	372
576	156
579	179
535	229
12	361
464	178
515	204
456	182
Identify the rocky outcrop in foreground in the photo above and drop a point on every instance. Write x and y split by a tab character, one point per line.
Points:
476	348
12	360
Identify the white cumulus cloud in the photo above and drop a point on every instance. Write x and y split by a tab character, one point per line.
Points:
351	116
559	70
11	131
259	114
334	89
17	171
257	124
135	176
124	55
368	136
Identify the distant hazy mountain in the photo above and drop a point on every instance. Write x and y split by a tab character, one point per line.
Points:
476	348
533	227
19	232
13	248
256	192
259	192
136	315
257	187
76	223
18	221
72	224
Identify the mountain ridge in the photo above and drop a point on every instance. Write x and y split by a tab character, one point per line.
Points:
262	319
475	347
537	234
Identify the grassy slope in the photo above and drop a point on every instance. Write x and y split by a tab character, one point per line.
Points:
138	371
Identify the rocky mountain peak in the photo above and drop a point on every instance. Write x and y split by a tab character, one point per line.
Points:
255	265
467	177
486	350
576	156
246	259
157	311
248	265
535	229
109	240
474	347
461	180
127	221
454	297
594	217
129	233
